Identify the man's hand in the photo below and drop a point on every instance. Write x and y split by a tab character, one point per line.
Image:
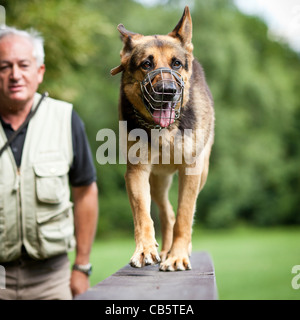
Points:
85	218
79	282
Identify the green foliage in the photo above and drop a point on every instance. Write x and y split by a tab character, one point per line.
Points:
254	172
69	28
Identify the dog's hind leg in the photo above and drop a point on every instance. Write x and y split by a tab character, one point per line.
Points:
160	185
204	173
138	188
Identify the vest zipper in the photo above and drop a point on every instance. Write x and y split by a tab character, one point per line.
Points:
17	190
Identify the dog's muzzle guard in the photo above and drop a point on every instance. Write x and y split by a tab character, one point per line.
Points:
163	98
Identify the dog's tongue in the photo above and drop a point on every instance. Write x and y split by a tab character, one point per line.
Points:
164	117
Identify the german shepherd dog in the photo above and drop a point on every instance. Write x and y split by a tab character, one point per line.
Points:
156	71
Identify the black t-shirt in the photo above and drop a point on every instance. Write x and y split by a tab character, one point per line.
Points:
82	171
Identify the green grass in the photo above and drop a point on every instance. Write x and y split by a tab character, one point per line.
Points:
250	263
253	263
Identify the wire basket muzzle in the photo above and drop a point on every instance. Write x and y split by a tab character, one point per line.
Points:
162	91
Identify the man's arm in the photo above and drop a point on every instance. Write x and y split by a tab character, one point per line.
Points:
85	219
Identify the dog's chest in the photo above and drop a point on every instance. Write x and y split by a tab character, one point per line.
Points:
169	147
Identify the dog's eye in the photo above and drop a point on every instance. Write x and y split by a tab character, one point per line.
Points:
176	64
146	65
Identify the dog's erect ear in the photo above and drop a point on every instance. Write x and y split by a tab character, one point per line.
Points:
125	34
128	38
183	29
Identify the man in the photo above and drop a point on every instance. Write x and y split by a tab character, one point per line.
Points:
48	153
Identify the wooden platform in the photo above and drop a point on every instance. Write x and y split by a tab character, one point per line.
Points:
149	283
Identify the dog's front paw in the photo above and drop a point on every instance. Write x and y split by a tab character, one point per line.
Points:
176	263
145	257
163	255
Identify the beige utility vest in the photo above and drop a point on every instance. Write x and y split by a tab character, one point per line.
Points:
35	207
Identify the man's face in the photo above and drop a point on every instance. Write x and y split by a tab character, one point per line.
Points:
19	74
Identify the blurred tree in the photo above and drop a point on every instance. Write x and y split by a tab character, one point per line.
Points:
254	174
69	28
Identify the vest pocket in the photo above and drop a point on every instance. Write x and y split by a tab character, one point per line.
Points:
51	181
56	231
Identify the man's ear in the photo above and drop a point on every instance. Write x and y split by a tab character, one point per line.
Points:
41	72
183	29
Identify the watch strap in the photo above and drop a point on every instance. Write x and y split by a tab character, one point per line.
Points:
84	268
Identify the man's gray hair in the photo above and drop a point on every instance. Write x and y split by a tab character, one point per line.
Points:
35	38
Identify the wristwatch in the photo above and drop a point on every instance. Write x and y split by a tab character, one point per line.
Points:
84	268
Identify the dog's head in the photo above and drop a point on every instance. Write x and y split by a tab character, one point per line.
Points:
156	69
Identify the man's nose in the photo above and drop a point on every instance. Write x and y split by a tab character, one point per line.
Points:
15	72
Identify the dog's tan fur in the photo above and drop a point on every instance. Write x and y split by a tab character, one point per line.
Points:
146	181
